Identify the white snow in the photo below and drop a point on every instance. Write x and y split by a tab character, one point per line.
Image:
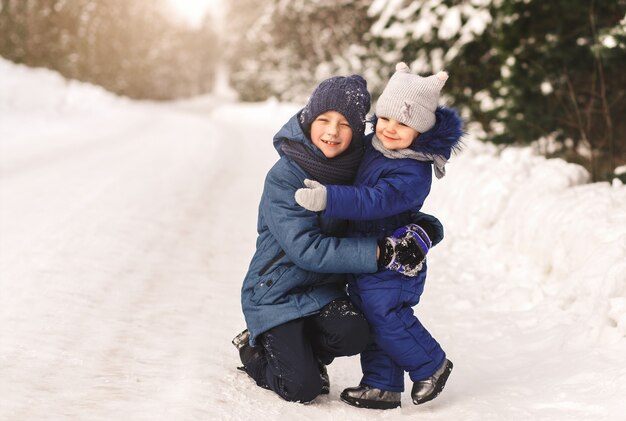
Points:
126	229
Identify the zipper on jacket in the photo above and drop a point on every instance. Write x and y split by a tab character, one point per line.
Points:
271	262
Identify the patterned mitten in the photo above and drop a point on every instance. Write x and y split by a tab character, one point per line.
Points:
410	245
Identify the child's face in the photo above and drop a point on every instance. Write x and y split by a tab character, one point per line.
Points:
331	133
395	135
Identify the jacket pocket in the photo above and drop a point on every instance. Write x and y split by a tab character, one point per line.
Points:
267	284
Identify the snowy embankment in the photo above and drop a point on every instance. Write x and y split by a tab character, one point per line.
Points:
540	220
126	228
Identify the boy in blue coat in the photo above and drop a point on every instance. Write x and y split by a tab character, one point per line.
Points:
293	297
411	134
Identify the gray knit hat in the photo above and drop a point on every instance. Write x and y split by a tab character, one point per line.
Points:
346	95
411	99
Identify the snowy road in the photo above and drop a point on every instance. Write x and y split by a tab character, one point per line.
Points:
124	240
112	290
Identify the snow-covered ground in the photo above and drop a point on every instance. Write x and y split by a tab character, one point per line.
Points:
126	229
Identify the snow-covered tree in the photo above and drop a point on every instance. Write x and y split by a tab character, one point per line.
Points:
429	35
560	78
522	69
129	47
283	48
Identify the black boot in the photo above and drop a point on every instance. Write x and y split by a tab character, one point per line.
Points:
325	378
428	389
364	396
247	353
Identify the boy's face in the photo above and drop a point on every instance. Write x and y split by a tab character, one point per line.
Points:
395	135
331	133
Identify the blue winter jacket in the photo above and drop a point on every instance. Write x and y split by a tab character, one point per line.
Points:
296	269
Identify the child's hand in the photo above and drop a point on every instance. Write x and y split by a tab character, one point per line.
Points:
312	197
405	250
412	248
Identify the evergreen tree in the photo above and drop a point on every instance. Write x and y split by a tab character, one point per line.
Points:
523	69
562	77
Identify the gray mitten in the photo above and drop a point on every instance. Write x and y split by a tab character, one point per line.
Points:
312	197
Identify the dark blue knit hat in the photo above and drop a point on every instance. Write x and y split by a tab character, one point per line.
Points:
346	95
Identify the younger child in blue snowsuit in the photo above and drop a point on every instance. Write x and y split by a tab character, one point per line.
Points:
412	133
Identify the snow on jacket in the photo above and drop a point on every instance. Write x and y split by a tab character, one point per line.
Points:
298	264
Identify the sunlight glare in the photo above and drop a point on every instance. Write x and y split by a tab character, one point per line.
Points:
192	11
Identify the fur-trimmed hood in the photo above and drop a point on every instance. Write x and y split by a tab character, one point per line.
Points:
443	138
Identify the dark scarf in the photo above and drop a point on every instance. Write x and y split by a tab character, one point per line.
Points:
339	170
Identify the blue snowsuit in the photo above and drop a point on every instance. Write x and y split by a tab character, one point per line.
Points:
296	270
381	200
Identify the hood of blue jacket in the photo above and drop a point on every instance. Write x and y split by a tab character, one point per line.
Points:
292	131
443	138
